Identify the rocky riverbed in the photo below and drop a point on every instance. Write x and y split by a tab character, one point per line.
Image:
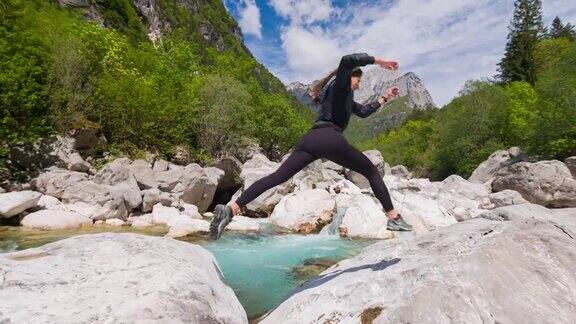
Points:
510	223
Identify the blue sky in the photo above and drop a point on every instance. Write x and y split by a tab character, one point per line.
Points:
446	42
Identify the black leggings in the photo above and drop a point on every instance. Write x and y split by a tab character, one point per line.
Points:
325	142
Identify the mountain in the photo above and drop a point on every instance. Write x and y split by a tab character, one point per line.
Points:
204	22
376	80
413	97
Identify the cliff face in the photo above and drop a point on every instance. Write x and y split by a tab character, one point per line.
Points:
375	81
206	19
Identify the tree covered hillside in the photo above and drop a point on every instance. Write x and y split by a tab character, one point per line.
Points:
91	63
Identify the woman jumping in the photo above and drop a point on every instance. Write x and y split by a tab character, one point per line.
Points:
325	140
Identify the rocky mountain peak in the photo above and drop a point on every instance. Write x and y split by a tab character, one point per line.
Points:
376	80
374	83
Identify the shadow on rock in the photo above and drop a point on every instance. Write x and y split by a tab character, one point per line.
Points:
315	282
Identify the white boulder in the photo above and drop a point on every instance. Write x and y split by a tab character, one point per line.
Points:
55	219
486	170
506	198
547	183
304	211
15	202
161	215
116	277
471	272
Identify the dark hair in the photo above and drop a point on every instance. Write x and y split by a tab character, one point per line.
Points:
357	72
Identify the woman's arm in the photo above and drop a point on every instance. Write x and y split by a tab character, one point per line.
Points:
364	111
347	64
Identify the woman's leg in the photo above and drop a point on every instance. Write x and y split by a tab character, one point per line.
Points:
294	163
349	157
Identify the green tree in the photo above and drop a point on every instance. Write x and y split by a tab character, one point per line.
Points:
558	29
470	127
224	103
526	28
521	115
411	145
556	119
549	52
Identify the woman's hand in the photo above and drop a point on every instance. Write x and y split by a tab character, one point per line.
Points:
390	94
391	65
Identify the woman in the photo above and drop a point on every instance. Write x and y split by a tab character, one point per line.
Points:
325	140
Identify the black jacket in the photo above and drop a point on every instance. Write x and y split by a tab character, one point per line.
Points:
340	103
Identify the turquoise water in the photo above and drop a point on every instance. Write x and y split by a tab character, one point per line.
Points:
258	267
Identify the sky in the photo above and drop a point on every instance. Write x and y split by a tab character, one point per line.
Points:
445	42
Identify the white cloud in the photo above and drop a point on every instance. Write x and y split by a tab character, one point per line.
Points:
250	18
303	11
309	51
446	42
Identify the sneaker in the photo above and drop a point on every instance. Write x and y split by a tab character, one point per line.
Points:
398	224
222	217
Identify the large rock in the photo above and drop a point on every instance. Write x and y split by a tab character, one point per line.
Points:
232	168
182	225
244	224
330	165
486	170
144	175
55	219
151	197
161	215
471	272
13	203
255	169
192	183
376	158
121	277
47	202
198	185
160	165
43	153
56	181
547	183
117	174
114	222
315	176
77	163
344	186
401	171
416	185
190	211
304	211
506	198
571	164
87	210
363	218
423	213
464	199
110	198
141	221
